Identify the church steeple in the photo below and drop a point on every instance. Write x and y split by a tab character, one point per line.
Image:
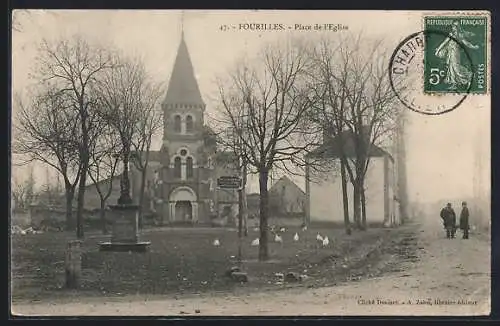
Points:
183	87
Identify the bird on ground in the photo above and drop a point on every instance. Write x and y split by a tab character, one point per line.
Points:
256	229
304	228
296	237
255	242
282	229
277	238
216	242
319	237
325	242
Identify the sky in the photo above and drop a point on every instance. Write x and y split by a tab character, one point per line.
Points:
442	151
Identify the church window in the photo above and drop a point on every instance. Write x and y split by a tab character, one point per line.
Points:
183	152
177	167
209	163
189	167
189	124
177	123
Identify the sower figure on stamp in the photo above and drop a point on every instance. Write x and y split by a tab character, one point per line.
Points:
449	220
449	49
464	220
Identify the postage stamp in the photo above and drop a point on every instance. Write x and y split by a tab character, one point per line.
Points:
455	56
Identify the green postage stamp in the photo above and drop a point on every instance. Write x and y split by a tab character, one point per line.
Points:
455	56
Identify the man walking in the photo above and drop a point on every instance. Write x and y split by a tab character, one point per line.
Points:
449	220
464	220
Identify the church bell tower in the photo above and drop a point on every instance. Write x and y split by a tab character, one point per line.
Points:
184	171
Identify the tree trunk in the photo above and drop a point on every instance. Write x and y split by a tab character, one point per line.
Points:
70	195
102	216
240	222
357	204
85	157
345	198
244	200
363	208
264	211
141	196
81	202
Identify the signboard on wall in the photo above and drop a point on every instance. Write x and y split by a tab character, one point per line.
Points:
229	182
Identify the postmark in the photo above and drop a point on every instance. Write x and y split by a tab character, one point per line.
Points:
406	75
455	55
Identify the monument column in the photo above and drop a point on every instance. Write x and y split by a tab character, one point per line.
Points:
124	235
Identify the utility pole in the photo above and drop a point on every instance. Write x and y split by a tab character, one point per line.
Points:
401	166
241	204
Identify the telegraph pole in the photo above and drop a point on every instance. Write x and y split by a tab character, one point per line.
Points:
401	167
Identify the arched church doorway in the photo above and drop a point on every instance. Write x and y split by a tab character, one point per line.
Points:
184	211
183	205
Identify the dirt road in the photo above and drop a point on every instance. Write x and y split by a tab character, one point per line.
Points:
451	277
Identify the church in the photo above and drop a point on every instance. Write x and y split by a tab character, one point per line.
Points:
181	183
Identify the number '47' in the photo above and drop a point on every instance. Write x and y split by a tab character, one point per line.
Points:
435	76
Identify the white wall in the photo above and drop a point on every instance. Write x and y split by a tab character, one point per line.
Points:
326	195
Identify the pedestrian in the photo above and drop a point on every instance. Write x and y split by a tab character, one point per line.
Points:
449	220
464	220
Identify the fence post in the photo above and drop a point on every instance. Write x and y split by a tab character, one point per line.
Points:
73	264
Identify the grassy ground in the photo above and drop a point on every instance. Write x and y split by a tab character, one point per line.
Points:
183	261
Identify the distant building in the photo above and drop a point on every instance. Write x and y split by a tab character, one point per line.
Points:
286	198
324	188
92	198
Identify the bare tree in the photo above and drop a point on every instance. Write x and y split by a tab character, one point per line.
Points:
102	167
355	106
23	192
73	66
50	192
148	125
45	132
271	99
125	98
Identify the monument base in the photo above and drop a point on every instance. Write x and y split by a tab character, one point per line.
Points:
124	236
141	246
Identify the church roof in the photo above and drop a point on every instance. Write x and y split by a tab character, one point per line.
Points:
285	181
183	87
331	147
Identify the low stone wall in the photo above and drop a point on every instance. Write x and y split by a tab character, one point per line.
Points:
54	218
42	217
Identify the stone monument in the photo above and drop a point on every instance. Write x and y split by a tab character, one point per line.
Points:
124	232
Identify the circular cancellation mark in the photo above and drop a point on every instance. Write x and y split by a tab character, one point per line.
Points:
407	71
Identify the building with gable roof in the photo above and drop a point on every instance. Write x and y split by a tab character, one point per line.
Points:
324	200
